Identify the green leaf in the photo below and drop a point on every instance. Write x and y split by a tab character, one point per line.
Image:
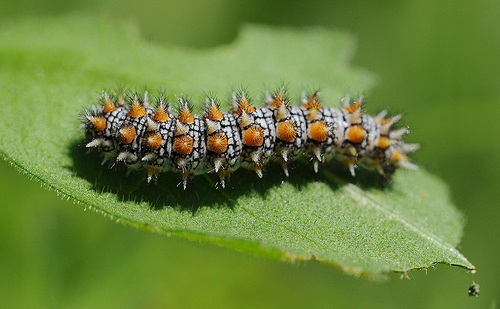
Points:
51	69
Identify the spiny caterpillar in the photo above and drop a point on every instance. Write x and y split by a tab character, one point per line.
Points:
128	129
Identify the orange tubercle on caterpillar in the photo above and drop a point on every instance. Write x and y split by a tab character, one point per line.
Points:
161	114
136	109
353	107
356	134
109	106
153	140
217	143
127	134
152	170
286	131
183	145
244	106
384	142
313	102
98	122
253	136
398	155
313	106
279	100
186	116
214	113
319	131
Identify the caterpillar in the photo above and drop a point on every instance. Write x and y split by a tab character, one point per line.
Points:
130	130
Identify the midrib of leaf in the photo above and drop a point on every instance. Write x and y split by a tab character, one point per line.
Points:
367	199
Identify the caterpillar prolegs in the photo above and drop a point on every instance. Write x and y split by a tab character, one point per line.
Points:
130	130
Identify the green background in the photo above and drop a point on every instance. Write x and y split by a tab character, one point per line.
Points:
438	63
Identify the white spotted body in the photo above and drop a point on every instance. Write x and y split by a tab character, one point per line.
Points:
154	138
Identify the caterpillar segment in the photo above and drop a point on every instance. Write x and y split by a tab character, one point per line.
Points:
321	128
290	127
189	146
258	132
158	140
224	145
129	130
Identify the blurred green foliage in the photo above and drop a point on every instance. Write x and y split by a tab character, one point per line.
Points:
438	62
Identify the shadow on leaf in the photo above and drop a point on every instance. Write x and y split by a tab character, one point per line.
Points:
202	191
